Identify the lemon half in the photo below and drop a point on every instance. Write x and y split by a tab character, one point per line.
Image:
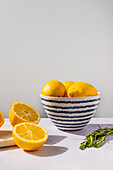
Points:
29	136
21	112
1	119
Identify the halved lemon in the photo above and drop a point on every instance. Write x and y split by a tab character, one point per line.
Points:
21	112
1	119
29	136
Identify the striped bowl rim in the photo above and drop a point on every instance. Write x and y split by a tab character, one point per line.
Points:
71	98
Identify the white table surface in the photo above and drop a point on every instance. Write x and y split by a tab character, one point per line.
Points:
61	151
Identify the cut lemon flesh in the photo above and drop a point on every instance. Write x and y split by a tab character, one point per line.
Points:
25	112
21	112
1	119
29	136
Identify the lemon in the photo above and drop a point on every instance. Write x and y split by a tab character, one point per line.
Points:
21	112
67	84
29	136
82	89
1	119
53	88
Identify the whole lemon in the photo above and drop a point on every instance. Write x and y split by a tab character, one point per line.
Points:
82	89
53	88
67	84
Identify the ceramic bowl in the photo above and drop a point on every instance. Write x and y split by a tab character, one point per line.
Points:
70	113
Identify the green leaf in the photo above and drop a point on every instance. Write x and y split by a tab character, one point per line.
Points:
83	145
90	141
98	143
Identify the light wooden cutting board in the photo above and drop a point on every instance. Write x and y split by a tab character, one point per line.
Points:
6	138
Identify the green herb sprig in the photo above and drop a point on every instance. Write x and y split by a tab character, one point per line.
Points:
96	138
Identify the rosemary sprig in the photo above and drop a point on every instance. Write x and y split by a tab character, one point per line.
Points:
96	138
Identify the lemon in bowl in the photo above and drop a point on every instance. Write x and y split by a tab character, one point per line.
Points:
81	89
67	85
72	112
53	88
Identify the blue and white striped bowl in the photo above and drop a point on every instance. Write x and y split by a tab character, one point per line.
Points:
70	113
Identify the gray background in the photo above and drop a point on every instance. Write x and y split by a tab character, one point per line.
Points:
41	40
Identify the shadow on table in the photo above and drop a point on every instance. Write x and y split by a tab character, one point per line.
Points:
89	129
8	148
53	139
108	138
47	151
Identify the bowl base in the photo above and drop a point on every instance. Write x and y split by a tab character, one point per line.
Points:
70	129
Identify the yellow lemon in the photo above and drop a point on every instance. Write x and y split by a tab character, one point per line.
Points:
29	136
53	88
21	112
67	84
82	89
1	119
